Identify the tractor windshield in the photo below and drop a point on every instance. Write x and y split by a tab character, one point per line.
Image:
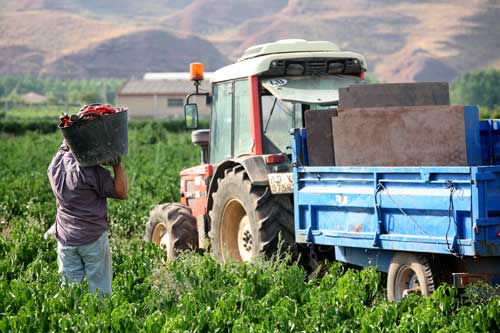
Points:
286	98
278	118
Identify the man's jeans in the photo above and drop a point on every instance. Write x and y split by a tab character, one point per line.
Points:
93	260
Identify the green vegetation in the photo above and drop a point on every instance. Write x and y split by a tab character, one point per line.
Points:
43	120
73	92
194	293
478	88
41	112
371	78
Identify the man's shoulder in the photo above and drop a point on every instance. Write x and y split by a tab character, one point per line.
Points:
64	161
96	169
56	161
95	174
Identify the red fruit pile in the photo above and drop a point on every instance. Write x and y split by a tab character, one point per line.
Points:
89	112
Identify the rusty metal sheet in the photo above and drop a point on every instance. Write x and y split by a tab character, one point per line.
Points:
401	136
319	137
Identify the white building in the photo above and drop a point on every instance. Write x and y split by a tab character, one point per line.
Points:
161	95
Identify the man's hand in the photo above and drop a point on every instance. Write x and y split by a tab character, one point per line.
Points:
50	232
115	161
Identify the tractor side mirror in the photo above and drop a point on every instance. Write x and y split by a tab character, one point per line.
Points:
191	116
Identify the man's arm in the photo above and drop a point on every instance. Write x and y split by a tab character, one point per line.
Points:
120	182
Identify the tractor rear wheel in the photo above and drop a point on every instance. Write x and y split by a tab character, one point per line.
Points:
173	227
247	221
409	273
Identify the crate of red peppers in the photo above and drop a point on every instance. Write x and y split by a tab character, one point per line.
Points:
98	134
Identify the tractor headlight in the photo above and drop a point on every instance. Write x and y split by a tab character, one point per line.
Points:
295	69
335	68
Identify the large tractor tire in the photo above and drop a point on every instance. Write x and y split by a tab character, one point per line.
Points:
173	227
409	273
247	221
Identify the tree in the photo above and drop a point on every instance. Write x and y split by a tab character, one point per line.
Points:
477	88
52	98
90	98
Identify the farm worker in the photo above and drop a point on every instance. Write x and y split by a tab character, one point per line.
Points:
81	225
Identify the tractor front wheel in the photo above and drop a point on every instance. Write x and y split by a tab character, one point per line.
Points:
172	227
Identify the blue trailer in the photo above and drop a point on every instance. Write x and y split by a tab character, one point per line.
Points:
421	225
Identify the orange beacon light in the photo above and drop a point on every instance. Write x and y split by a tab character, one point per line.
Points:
196	71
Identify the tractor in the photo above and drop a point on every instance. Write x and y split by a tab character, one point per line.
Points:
239	201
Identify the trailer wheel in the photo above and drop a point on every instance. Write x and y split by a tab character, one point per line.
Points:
247	220
173	227
409	273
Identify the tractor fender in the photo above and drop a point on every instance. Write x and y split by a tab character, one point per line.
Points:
255	167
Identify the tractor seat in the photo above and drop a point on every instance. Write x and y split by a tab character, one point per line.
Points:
200	137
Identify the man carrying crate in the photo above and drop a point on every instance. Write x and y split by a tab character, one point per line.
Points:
81	226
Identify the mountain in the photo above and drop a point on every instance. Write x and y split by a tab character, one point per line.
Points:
133	54
410	40
42	40
403	40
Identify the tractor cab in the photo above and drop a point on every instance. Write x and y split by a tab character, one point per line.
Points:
257	100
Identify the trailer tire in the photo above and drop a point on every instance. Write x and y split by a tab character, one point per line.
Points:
247	221
409	272
173	227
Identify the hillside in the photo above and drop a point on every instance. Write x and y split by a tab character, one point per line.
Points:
133	55
62	44
404	40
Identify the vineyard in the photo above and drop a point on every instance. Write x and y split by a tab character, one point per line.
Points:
194	293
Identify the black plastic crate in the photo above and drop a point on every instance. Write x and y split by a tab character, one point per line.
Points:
100	140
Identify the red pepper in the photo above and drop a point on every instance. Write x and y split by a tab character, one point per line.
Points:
89	112
65	121
105	109
100	110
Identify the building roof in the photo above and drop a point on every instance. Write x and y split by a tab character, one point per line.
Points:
161	87
174	76
33	98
